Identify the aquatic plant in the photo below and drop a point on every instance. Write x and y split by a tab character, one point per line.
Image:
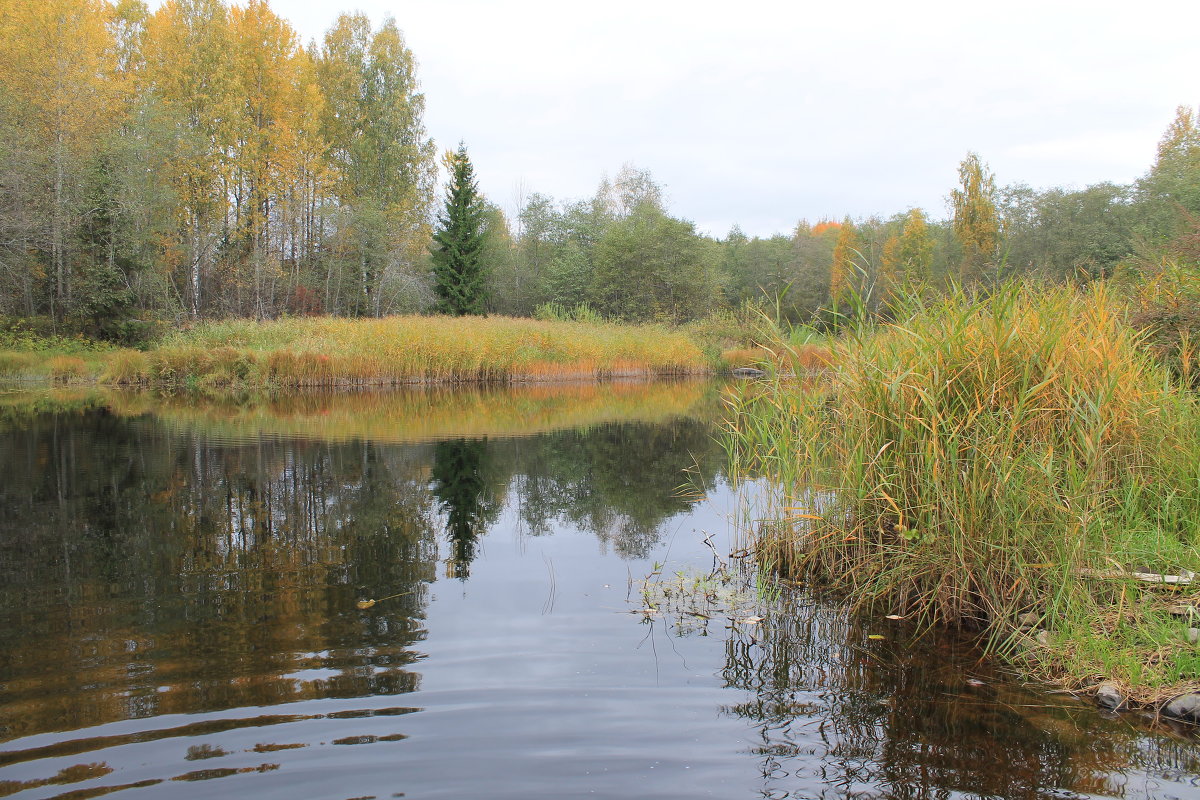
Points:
988	457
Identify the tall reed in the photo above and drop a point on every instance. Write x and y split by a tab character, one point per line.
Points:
982	459
326	351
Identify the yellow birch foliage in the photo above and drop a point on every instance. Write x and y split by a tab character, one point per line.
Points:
57	57
976	220
916	249
890	268
843	273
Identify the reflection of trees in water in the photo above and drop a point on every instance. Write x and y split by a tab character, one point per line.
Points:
146	574
464	484
618	481
838	715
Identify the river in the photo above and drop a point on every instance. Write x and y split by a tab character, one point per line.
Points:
437	593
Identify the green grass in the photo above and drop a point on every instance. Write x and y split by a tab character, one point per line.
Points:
971	463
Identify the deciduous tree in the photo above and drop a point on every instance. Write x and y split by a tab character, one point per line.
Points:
976	221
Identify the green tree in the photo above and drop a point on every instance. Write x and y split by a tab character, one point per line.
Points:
458	269
1069	234
651	266
1173	183
384	165
976	221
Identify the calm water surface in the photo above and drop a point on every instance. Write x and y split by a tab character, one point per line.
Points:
181	592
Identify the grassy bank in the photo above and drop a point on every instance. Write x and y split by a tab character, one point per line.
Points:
328	351
1000	463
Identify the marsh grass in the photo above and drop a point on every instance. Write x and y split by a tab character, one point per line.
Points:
328	351
971	462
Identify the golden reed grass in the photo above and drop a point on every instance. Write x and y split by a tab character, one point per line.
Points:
968	463
329	351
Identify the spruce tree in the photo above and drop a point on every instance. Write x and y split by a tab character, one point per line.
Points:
458	242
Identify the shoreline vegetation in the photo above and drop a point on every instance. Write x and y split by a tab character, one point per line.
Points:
313	352
1007	462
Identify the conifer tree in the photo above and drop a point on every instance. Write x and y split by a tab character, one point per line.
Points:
457	250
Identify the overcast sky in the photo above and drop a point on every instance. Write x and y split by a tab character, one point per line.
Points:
763	113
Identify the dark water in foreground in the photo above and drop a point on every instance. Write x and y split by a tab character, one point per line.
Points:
180	591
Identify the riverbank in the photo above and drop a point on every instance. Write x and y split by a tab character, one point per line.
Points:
1004	464
330	352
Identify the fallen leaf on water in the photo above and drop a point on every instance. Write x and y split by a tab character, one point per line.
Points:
750	620
365	603
876	636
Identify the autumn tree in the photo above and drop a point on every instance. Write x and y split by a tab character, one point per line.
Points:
844	272
1170	192
915	249
891	269
458	243
976	221
189	52
384	162
59	104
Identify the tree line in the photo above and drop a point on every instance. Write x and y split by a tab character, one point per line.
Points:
200	161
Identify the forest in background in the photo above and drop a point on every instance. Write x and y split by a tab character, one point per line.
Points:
201	161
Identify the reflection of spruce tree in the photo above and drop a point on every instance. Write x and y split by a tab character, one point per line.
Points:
459	467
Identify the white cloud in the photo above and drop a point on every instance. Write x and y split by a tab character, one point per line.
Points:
765	112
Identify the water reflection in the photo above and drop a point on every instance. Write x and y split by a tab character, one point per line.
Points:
147	569
837	714
461	472
145	574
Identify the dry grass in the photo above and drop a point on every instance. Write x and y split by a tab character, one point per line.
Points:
966	463
328	351
65	368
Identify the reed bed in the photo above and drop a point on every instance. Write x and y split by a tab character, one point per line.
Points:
1001	463
328	351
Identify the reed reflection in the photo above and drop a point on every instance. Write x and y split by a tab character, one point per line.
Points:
839	715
